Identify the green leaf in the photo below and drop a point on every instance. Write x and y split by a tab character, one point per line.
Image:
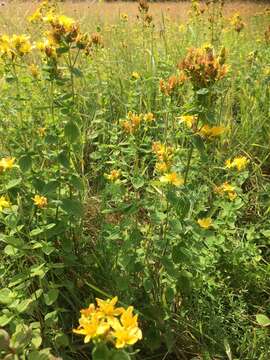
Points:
137	182
23	305
25	163
72	207
63	159
61	340
6	296
39	355
51	296
199	145
77	72
263	320
13	183
120	355
100	352
77	183
6	318
38	270
72	131
51	318
203	91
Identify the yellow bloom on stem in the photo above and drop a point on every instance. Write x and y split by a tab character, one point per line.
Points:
108	323
6	163
65	21
88	311
5	45
163	152
126	331
4	203
135	75
92	327
107	307
41	131
114	175
40	201
36	16
228	189
162	167
124	17
239	163
172	178
211	132
21	44
205	223
189	120
149	117
33	70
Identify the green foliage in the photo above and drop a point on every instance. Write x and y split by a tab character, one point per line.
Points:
89	214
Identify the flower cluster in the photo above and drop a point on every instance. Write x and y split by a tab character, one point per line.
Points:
40	201
6	163
111	324
113	175
205	131
4	203
210	132
14	46
237	23
133	121
164	154
205	223
202	66
144	12
170	86
239	163
63	32
226	188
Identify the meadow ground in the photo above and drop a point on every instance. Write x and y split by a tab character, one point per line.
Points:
134	181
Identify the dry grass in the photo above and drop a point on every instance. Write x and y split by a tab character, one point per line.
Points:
13	14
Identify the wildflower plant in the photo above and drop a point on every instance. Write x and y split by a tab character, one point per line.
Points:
106	324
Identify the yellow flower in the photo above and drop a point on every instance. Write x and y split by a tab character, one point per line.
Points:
21	44
149	117
40	201
36	16
135	75
6	163
228	189
41	131
163	152
232	195
239	163
4	203
189	120
205	223
66	21
107	307
5	45
162	167
92	327
210	132
126	331
109	323
124	17
181	28
172	178
88	311
34	70
114	175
